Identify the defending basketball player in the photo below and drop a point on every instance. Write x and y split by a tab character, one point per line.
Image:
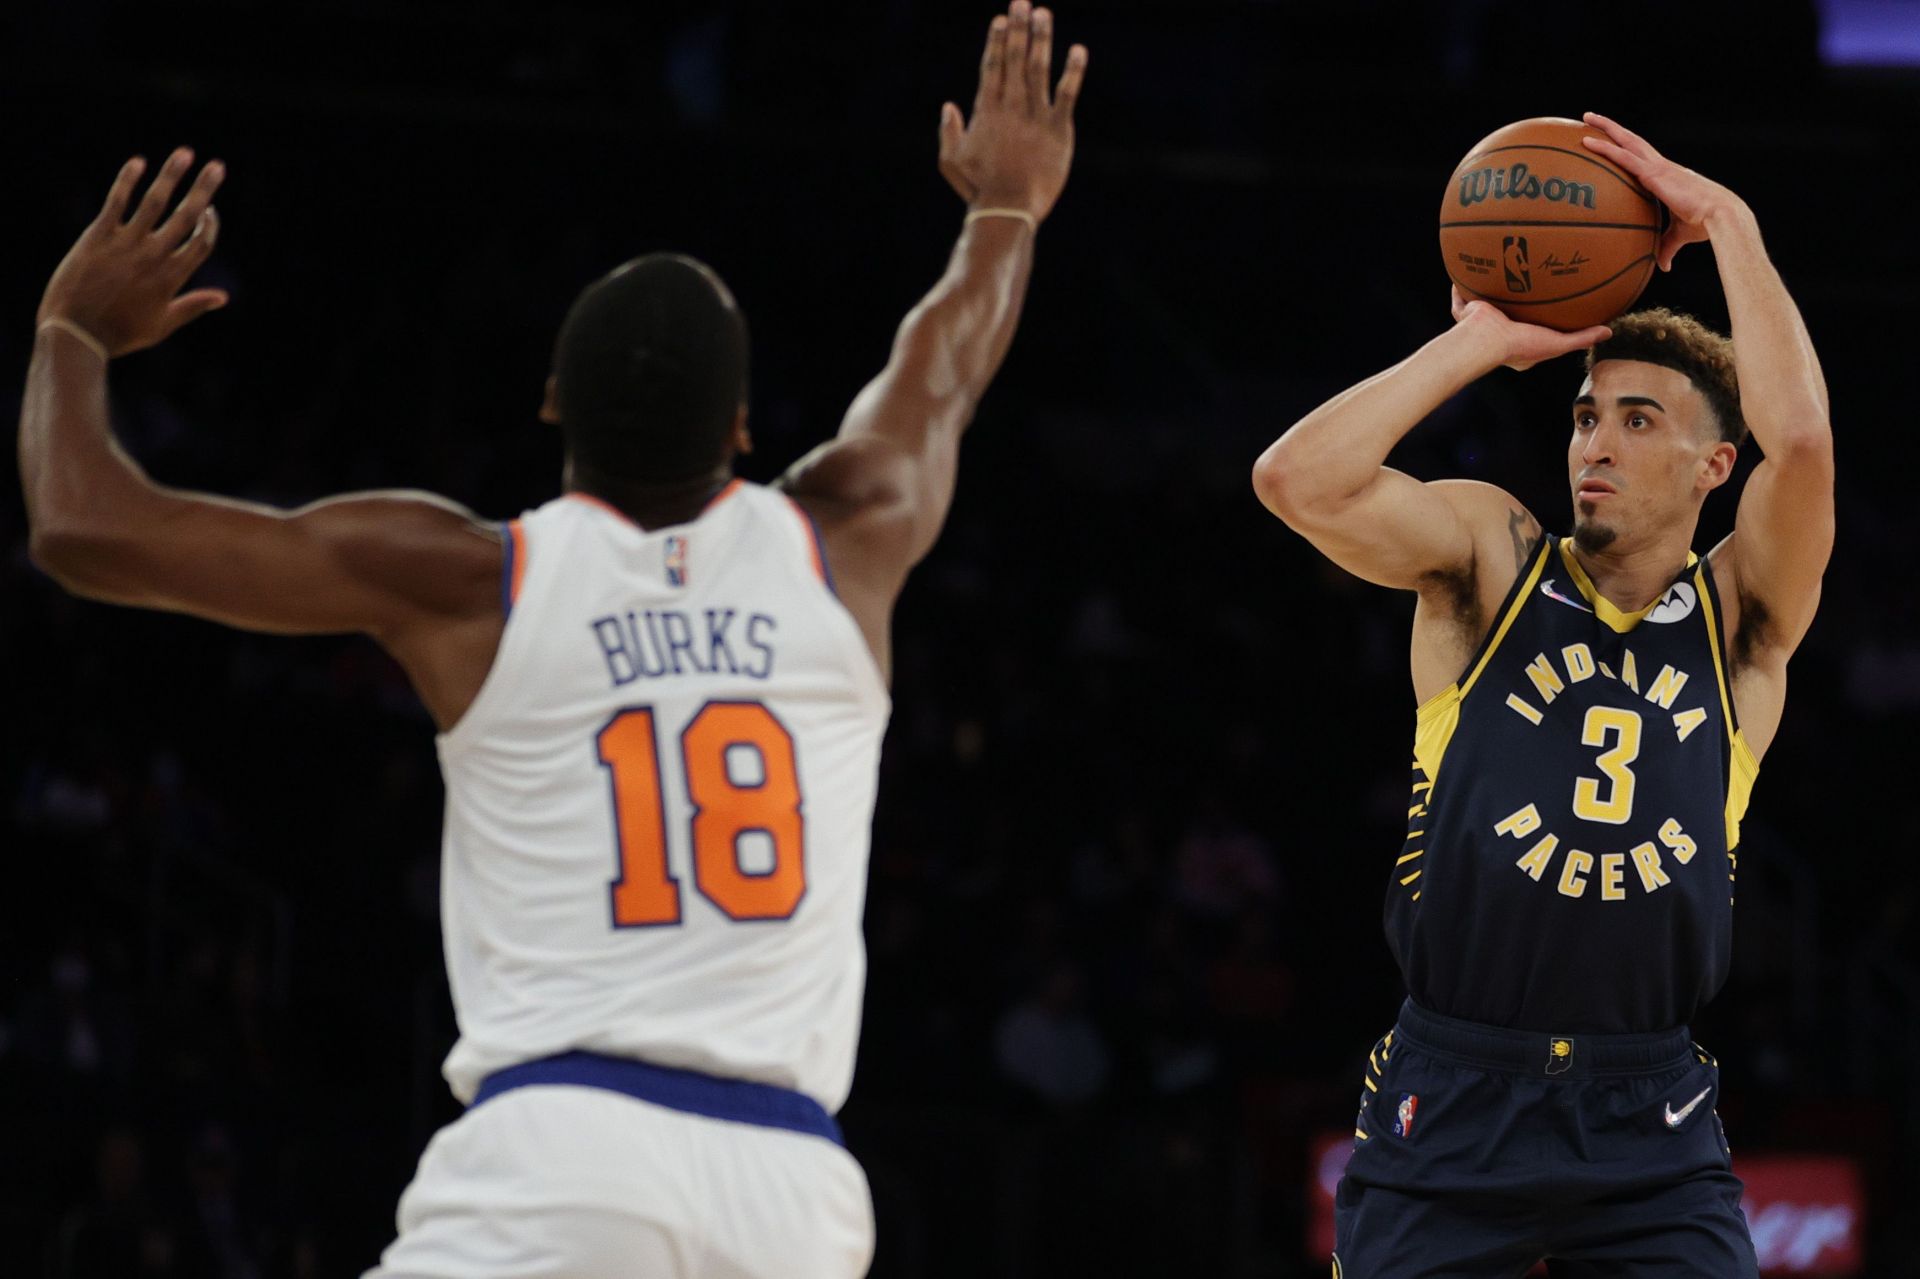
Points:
1593	711
661	699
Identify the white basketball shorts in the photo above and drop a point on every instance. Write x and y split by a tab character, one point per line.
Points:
569	1182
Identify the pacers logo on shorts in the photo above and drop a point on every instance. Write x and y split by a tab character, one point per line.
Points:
1513	255
1559	1056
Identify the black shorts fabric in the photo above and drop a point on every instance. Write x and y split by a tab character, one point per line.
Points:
1479	1151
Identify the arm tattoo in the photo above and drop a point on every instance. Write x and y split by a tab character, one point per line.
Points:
1524	531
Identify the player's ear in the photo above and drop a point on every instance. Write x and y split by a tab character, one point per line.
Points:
550	405
742	439
1718	468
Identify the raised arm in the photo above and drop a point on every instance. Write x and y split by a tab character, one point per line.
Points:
415	571
1783	531
881	489
1327	477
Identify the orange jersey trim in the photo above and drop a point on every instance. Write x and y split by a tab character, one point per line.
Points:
516	561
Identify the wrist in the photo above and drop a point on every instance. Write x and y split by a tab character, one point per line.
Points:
1006	198
1731	214
49	324
1017	220
1477	348
50	308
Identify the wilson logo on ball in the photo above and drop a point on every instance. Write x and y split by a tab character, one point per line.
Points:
1535	224
1517	184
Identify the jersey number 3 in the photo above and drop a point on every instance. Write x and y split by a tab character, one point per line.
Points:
725	741
1621	728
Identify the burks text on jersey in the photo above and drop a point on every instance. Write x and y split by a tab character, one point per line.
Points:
656	642
1607	796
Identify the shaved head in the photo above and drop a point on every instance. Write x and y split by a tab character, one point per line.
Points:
650	371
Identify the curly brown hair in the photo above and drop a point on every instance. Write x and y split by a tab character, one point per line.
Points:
1675	341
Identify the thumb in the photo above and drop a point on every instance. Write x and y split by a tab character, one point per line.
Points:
1584	338
1671	241
952	128
188	307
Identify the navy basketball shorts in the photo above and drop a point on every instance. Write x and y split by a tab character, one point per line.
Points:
1480	1151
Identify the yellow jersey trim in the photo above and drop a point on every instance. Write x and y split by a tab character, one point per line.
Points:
1746	768
1506	623
1433	728
1434	723
1605	609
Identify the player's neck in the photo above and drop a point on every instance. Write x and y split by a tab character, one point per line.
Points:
651	505
1632	577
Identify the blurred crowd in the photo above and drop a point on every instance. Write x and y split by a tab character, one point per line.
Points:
1143	783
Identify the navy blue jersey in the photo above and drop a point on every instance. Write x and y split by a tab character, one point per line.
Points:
1576	808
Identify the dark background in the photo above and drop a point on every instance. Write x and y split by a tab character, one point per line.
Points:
1145	775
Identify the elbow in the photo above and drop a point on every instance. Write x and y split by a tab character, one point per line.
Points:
1277	482
71	557
1806	451
1815	444
51	551
1298	489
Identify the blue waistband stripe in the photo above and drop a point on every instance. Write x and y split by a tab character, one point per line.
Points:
738	1100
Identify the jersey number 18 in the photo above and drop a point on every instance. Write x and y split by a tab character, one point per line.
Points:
724	812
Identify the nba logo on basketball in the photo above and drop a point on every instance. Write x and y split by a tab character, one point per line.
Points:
676	560
1403	1117
1513	253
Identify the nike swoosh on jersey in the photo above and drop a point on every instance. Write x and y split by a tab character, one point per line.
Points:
1677	1117
1546	589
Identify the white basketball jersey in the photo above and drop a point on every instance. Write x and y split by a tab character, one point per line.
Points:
658	807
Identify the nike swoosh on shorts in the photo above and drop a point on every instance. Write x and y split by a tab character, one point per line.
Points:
1677	1117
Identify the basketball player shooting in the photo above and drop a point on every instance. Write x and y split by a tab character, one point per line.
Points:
1593	710
660	698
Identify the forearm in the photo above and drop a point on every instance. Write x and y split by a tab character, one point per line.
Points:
78	484
952	343
1783	394
1336	451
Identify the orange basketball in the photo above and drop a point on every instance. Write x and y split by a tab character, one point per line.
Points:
1546	230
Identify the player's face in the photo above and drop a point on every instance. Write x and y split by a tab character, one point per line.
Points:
1642	454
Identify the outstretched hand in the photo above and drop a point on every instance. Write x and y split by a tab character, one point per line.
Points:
121	281
1689	197
1016	150
1522	345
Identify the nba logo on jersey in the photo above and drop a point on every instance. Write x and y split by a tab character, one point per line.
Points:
676	560
1403	1117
